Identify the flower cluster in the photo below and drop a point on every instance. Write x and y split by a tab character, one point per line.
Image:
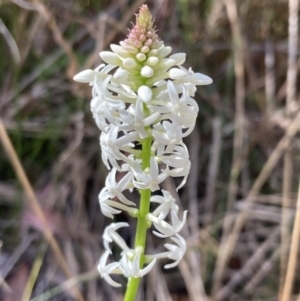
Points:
142	96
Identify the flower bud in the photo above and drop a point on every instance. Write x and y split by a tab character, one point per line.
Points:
152	60
179	58
110	58
147	71
85	76
176	73
145	93
141	56
164	51
129	63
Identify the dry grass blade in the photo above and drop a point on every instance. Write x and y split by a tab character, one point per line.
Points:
289	279
292	260
285	216
34	274
213	169
33	202
192	186
288	160
10	42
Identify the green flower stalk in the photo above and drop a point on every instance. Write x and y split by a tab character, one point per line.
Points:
142	97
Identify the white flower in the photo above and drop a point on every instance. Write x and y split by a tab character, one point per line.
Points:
165	228
110	152
168	134
106	207
183	109
130	263
106	270
104	105
150	178
135	119
111	235
189	76
112	145
176	251
179	161
167	203
113	189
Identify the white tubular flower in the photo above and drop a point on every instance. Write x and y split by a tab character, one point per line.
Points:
165	228
142	101
104	103
112	146
106	206
188	76
176	251
149	178
180	162
168	134
113	189
137	120
130	263
106	270
110	152
167	203
111	235
185	109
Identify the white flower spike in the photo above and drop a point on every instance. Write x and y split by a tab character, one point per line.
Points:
142	101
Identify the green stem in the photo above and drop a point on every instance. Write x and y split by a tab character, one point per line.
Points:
142	225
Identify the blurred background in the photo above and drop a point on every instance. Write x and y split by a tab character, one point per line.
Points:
242	193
